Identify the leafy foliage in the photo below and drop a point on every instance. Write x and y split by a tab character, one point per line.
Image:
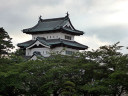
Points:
93	73
5	42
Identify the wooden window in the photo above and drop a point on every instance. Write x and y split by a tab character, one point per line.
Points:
57	52
67	37
69	52
47	52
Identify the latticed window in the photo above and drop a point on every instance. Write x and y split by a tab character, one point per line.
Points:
69	52
68	37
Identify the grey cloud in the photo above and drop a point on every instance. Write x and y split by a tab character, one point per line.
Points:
12	9
16	14
19	14
100	6
109	33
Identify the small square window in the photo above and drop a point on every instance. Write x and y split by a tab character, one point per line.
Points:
69	52
67	37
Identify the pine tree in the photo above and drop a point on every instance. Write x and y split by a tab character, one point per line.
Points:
5	42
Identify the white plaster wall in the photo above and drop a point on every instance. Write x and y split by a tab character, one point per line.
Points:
59	49
70	49
63	36
63	49
28	52
46	51
52	36
34	58
47	35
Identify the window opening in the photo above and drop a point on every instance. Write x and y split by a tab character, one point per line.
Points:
67	37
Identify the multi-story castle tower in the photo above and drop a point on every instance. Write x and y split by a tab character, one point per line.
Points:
52	35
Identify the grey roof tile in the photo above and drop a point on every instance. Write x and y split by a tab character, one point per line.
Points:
25	44
45	25
54	42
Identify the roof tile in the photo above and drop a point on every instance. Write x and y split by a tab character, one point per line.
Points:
54	42
53	24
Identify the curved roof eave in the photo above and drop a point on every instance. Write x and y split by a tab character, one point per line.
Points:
40	42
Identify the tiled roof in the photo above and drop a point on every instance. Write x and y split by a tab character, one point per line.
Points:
42	40
53	42
73	31
50	25
75	44
26	44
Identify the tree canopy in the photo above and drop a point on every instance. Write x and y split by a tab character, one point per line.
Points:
5	42
91	73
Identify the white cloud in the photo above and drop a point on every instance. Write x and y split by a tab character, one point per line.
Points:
91	41
85	15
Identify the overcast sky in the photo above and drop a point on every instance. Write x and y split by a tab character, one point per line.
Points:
103	21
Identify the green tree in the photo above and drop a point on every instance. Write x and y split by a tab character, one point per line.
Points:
92	73
5	42
68	89
10	83
19	52
114	64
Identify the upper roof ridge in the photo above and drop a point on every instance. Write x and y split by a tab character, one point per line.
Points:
52	24
52	19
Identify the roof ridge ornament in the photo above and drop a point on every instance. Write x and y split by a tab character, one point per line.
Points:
67	14
40	18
